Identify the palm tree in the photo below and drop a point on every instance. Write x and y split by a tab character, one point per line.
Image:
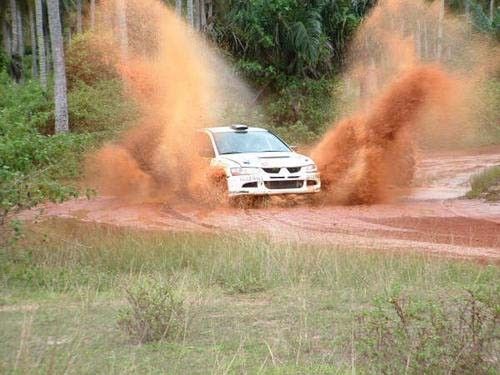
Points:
20	33
178	7
189	9
40	35
14	20
121	14
60	87
6	38
92	14
34	49
79	22
439	46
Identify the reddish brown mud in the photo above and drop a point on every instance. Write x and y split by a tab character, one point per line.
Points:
433	219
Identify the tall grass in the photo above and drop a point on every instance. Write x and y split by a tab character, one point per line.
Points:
60	256
73	299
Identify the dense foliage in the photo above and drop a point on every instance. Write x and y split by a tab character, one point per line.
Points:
31	164
275	37
35	165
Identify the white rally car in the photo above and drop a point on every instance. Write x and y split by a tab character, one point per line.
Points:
257	162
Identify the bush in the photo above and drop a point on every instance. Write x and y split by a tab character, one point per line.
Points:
486	184
437	336
101	106
301	109
35	167
91	59
155	311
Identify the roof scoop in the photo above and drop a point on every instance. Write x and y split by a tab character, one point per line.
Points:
239	127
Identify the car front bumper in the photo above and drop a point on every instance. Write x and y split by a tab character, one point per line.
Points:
265	185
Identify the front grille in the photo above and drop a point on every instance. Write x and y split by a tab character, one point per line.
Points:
293	169
294	184
272	170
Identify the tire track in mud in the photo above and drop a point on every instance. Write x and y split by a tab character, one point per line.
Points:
175	214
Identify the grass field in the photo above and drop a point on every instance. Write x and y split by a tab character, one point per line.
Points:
242	305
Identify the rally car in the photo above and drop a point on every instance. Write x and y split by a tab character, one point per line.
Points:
257	162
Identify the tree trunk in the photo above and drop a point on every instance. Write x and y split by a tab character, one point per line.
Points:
439	46
40	35
7	40
196	12
492	10
190	16
178	7
418	41
121	15
14	26
92	14
20	33
426	41
34	49
60	91
79	27
467	9
48	51
203	15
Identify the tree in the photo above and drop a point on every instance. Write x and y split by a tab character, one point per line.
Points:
79	22
439	45
92	14
14	20
20	33
121	14
40	35
60	86
178	7
189	9
6	37
34	49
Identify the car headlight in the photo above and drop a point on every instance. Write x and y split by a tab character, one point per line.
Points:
244	171
310	168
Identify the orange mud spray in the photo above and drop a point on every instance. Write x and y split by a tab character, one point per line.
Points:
412	70
414	75
180	85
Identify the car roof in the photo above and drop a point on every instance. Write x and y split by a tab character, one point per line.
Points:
225	129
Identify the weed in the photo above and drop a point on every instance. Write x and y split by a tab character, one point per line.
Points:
155	311
486	184
447	335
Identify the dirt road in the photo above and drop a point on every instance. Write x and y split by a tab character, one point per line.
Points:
433	218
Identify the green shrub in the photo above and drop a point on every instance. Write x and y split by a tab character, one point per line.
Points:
155	311
431	336
486	184
101	106
91	60
301	109
35	167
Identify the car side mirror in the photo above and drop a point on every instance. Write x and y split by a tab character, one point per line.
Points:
294	148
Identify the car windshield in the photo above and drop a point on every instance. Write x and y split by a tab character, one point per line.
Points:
252	141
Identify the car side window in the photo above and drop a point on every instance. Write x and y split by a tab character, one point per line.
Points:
204	145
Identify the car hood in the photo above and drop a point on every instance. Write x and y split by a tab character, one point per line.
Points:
265	159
